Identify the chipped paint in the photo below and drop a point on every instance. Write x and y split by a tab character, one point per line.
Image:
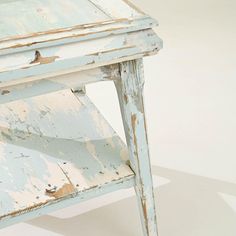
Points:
77	56
133	123
45	163
42	162
5	91
65	190
130	89
72	81
126	98
42	60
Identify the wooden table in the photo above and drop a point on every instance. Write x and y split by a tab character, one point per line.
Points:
56	148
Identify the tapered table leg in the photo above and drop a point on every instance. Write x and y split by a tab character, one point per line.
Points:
130	93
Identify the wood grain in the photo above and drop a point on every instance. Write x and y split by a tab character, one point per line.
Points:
53	147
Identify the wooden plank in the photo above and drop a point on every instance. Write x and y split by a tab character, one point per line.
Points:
130	89
31	23
53	147
75	34
72	81
77	56
26	182
126	182
27	17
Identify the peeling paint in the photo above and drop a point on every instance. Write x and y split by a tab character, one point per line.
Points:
130	88
41	161
5	91
76	56
65	190
43	60
56	147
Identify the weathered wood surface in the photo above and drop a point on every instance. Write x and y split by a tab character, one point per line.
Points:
130	92
26	17
126	182
33	65
54	147
73	81
34	16
57	149
28	23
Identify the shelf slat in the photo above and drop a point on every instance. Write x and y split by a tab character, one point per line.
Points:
53	147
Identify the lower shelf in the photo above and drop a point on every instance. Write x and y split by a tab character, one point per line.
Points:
56	147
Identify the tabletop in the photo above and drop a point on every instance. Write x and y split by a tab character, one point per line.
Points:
43	38
29	18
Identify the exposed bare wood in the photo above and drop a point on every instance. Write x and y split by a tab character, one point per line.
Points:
41	162
56	149
130	92
78	56
43	60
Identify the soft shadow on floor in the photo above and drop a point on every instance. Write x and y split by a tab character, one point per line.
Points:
189	205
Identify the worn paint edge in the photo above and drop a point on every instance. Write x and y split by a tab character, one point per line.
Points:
18	81
125	182
83	67
148	22
39	87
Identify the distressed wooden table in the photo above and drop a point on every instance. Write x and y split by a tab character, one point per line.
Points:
56	148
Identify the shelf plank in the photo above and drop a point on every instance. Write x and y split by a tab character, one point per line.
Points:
55	147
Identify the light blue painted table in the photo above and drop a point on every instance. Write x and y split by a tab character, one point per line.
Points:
56	149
